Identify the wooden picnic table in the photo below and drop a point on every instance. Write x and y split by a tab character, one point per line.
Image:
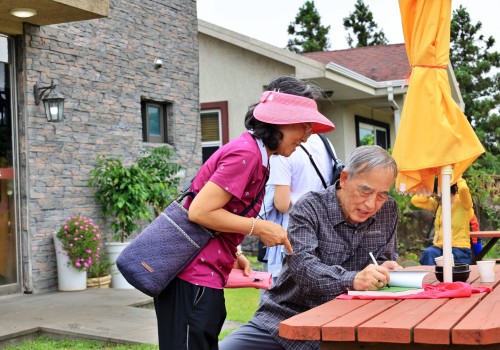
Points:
456	323
493	239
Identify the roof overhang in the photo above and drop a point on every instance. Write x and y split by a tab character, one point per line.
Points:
348	85
50	12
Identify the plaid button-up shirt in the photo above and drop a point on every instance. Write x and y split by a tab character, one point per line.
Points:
328	253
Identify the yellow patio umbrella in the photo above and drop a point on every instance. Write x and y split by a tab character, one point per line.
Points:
434	136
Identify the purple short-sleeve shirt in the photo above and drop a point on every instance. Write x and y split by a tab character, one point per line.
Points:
238	168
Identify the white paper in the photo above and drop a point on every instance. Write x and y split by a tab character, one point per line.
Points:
405	278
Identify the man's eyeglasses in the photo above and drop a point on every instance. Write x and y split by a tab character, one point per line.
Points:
367	192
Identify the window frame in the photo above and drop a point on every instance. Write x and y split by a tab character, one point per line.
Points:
165	110
222	108
376	124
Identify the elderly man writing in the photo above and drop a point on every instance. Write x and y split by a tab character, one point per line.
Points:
332	233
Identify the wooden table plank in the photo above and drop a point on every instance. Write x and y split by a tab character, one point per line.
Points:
396	324
334	345
344	327
436	329
493	235
307	325
484	234
482	324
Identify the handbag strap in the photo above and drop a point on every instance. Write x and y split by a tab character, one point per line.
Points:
328	148
338	166
186	192
254	201
315	166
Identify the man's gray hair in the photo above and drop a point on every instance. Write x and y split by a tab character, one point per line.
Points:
367	158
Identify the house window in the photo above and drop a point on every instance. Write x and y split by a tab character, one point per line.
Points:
214	127
155	121
372	132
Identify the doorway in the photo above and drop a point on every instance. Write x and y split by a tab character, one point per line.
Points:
9	267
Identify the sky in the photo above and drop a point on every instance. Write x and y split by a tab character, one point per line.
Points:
268	20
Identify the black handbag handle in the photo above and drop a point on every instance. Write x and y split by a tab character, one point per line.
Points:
338	165
315	166
186	192
328	148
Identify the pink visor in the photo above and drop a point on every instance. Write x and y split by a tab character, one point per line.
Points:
279	108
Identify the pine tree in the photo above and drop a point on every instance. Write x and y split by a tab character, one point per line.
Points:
361	22
309	34
474	65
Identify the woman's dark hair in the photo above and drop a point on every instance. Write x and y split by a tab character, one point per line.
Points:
454	189
270	133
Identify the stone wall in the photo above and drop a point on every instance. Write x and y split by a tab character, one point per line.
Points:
103	68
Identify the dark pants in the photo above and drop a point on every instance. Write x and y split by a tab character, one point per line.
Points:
250	336
460	255
190	317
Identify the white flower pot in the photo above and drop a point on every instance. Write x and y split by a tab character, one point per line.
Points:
68	278
114	249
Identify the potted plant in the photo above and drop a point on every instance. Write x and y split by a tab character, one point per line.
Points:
162	177
127	194
78	243
99	274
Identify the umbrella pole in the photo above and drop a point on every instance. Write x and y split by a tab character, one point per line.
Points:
446	172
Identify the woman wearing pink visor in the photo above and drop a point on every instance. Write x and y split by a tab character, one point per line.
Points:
229	189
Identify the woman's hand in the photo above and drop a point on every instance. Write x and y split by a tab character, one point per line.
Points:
242	263
272	234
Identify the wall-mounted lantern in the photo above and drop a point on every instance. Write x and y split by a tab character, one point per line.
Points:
52	100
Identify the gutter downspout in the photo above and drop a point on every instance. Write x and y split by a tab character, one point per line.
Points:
394	106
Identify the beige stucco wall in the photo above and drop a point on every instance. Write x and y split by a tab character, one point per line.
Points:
230	73
337	136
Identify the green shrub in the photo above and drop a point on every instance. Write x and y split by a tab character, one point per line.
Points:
126	193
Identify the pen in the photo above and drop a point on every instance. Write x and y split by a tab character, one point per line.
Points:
376	263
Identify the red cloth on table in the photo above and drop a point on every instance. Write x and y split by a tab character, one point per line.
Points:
431	291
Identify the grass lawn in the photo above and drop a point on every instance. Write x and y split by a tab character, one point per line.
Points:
494	253
44	343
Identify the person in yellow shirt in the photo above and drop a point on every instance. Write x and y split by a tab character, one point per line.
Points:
461	215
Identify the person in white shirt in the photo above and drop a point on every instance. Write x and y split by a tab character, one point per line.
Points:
290	178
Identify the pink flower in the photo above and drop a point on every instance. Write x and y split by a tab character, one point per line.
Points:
81	241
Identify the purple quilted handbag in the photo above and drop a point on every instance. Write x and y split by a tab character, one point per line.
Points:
162	250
